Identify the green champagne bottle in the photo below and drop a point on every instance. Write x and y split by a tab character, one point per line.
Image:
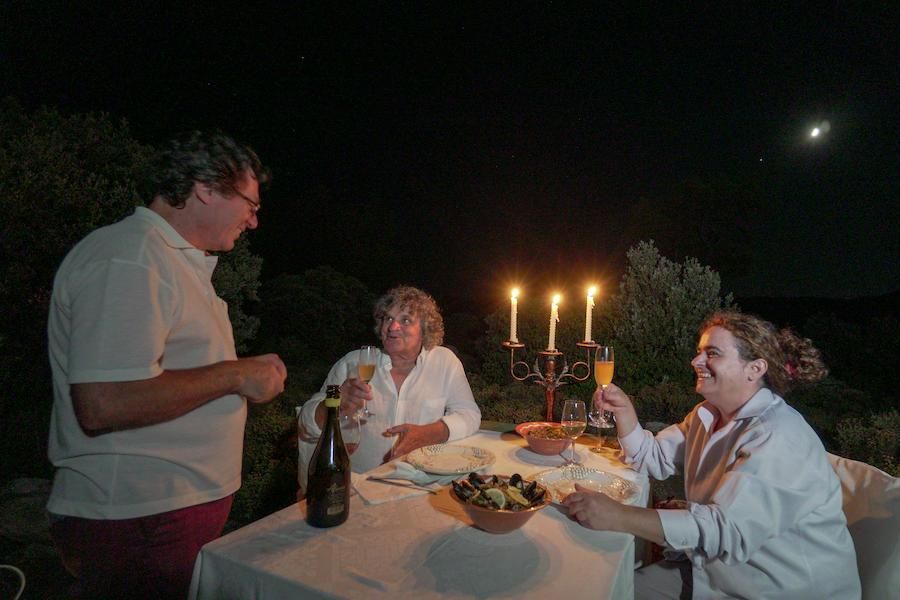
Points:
328	487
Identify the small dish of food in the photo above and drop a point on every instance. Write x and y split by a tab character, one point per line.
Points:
544	437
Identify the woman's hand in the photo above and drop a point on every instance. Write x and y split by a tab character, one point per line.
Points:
354	395
593	510
617	402
412	437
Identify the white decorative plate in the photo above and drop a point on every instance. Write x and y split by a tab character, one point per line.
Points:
445	459
561	482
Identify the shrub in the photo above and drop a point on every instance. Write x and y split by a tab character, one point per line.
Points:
826	403
313	319
874	440
511	403
269	478
655	316
665	402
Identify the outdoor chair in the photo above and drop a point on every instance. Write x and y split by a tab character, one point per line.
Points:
872	508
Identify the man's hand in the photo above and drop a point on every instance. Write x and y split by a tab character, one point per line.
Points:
101	407
415	436
263	377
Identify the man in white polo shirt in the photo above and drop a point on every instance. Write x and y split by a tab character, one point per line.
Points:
149	396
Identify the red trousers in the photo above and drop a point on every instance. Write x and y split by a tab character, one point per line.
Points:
146	557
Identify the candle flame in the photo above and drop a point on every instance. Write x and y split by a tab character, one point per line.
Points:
556	298
592	290
515	293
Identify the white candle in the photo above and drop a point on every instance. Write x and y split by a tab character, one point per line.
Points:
588	313
512	315
554	317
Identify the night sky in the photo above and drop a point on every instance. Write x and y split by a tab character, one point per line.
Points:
465	148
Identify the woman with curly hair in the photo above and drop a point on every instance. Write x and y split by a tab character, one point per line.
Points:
763	516
419	394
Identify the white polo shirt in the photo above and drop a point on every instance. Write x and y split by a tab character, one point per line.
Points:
129	301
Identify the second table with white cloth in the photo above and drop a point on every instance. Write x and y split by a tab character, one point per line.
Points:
401	543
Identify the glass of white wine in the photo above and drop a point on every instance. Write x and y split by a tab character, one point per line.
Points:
573	422
365	370
604	367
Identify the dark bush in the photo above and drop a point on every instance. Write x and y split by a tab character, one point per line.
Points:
511	403
269	478
826	403
665	402
874	440
313	319
655	316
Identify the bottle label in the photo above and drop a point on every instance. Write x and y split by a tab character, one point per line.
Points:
334	499
332	402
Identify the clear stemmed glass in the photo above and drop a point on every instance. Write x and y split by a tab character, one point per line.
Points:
350	431
365	369
573	422
604	366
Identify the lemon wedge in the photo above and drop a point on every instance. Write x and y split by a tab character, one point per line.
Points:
496	495
517	496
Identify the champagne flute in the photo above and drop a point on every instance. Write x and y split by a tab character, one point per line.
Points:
573	422
365	370
604	366
350	432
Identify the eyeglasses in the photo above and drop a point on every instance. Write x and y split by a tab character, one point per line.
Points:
254	205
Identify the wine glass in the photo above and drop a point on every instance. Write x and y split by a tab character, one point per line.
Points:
604	366
573	422
350	431
365	369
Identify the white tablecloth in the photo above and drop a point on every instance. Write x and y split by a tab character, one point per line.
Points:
424	547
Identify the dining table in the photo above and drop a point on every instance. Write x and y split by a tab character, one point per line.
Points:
402	542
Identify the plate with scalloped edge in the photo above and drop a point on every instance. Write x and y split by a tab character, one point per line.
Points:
560	482
450	459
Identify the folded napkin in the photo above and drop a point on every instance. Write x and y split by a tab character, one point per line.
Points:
404	470
374	492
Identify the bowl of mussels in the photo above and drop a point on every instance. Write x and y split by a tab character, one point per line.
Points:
497	503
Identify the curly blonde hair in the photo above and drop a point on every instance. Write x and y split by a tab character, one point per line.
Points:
418	304
790	358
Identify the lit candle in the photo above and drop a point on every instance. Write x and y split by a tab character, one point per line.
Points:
588	313
554	317
512	315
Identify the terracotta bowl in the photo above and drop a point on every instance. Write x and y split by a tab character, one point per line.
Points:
500	521
542	445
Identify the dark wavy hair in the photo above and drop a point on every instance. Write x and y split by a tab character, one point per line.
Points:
791	359
209	157
419	304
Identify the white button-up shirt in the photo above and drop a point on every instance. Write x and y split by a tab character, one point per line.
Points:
764	517
435	389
